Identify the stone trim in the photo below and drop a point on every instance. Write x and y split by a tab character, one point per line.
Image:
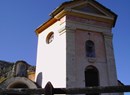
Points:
111	68
91	60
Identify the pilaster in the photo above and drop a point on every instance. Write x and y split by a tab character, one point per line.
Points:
112	77
70	54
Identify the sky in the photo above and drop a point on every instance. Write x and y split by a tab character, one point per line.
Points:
20	18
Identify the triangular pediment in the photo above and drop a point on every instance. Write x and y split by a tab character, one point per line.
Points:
88	8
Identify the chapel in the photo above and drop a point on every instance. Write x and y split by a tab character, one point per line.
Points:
75	46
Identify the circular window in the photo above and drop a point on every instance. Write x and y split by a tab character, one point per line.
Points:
50	37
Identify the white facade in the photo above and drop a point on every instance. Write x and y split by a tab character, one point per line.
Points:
51	58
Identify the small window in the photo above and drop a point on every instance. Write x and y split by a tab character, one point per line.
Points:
50	37
90	48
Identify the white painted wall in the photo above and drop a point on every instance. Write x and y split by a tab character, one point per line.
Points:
51	58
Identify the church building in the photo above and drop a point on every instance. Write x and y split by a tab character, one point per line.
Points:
75	46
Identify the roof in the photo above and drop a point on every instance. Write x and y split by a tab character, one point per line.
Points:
69	3
62	6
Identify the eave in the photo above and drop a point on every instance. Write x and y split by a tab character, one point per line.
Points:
45	25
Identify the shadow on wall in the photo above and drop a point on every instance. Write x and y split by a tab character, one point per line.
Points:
39	79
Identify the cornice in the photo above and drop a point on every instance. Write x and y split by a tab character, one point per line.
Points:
45	25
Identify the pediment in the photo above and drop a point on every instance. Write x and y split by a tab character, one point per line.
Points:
88	8
91	7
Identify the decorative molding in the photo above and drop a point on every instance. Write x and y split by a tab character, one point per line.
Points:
71	28
108	35
87	21
91	60
88	27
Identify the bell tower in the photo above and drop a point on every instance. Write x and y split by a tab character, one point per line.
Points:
75	46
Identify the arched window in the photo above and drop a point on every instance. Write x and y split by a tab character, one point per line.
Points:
90	48
91	77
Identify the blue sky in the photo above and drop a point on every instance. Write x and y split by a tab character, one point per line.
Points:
20	18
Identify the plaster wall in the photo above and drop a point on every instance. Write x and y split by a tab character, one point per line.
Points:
51	58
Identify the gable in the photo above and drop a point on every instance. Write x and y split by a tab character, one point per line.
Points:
88	8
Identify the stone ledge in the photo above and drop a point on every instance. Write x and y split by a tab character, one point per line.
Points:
91	60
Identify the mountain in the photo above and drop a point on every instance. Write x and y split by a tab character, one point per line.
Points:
5	67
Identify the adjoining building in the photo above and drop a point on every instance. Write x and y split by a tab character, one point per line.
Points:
20	76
